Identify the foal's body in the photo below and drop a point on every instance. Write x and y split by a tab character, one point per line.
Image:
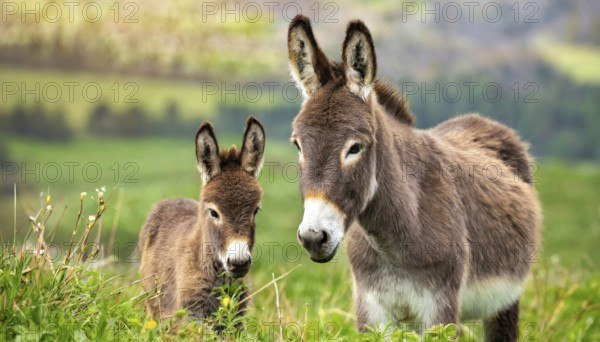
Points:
189	247
186	264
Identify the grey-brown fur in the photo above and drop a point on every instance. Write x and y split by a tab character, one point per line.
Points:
393	102
448	218
184	248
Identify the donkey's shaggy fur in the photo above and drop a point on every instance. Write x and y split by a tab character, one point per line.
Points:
448	218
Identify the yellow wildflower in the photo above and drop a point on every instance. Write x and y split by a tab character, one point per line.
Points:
225	301
150	325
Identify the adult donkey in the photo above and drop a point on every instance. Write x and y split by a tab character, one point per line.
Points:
449	218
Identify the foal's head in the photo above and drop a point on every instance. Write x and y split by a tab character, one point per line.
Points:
231	195
334	133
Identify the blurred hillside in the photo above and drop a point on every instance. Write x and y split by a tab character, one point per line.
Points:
162	67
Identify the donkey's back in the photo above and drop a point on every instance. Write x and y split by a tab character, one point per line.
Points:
480	134
160	239
167	218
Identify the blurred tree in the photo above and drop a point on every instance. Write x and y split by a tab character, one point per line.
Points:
101	121
134	122
19	121
171	121
3	152
37	123
595	31
558	117
59	128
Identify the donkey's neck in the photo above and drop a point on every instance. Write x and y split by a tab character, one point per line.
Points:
203	246
200	259
392	216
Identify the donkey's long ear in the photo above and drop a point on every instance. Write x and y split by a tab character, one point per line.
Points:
358	57
253	147
309	66
207	152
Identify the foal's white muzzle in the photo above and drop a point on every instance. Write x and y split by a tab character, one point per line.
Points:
237	259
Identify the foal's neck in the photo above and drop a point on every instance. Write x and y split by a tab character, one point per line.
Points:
200	256
201	242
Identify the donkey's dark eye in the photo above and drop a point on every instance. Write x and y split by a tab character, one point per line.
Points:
354	149
256	211
213	213
297	145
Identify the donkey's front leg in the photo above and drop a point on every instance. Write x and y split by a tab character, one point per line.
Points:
369	313
447	305
446	311
449	278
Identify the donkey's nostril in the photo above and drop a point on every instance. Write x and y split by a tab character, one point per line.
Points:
324	238
238	263
313	239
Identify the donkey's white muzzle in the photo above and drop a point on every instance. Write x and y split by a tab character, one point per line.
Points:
321	230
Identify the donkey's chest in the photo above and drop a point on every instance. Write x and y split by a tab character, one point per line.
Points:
398	299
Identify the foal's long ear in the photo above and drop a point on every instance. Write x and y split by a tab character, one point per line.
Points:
253	147
309	66
207	152
358	57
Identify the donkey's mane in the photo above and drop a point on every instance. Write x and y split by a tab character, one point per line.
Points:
394	102
388	95
230	156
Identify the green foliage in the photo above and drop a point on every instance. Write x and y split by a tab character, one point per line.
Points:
229	318
38	123
60	298
557	116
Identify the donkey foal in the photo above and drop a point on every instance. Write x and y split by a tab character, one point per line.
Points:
187	245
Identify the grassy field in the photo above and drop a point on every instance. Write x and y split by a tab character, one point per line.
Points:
76	93
561	302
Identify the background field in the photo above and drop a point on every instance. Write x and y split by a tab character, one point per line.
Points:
566	275
142	151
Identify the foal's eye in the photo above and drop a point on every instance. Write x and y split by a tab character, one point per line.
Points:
297	146
256	211
354	149
213	213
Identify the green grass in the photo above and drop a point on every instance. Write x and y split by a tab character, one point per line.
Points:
560	301
571	202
